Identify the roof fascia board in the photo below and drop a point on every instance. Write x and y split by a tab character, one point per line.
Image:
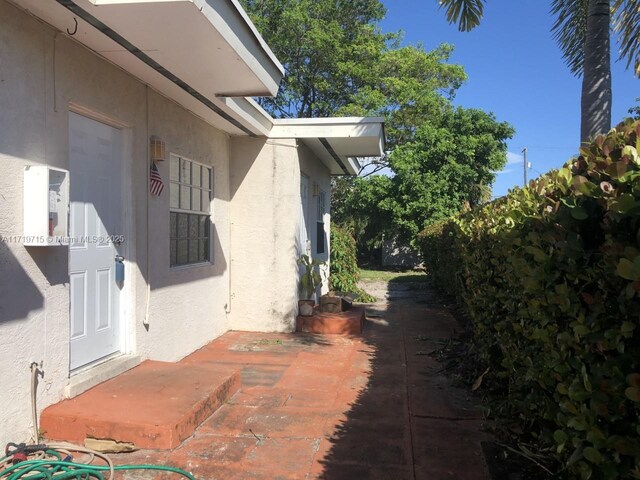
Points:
320	132
250	112
229	18
328	121
106	30
219	12
329	131
325	143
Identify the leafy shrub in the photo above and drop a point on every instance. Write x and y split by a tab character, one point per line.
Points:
550	277
344	272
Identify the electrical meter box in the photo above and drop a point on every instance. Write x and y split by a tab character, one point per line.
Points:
46	206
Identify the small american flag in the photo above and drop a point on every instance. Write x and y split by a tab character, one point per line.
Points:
155	181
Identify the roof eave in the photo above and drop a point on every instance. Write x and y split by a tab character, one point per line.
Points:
338	142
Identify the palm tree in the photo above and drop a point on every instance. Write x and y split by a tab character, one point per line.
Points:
582	30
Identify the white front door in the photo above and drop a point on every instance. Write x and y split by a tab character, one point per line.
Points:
95	165
303	236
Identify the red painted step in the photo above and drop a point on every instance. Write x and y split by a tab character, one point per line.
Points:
155	405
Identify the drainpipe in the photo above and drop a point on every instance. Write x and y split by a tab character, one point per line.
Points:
145	321
227	307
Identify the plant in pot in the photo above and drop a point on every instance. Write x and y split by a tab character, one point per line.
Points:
309	282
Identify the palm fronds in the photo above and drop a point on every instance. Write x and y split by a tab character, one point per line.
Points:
626	23
570	27
466	13
570	31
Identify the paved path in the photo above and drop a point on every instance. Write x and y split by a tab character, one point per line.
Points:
329	407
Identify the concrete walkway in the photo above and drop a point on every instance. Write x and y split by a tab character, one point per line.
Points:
331	407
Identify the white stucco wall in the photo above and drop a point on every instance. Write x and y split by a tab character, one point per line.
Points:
188	304
317	173
41	72
265	212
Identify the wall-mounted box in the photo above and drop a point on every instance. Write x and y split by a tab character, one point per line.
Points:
46	206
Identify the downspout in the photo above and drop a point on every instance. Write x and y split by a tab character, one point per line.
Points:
145	322
227	307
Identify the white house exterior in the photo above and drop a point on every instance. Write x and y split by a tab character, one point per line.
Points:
85	86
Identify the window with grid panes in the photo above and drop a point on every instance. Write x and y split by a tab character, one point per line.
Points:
191	188
321	241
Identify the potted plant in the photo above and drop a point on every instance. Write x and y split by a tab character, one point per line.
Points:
309	282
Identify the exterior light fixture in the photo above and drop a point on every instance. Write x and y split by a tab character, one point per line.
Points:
157	149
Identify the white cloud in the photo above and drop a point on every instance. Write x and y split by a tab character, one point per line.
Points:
514	158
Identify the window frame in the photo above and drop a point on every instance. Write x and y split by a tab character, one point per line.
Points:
204	232
320	232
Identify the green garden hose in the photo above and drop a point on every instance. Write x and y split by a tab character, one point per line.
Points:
59	470
49	464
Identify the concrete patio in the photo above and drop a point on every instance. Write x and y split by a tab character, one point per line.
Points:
337	407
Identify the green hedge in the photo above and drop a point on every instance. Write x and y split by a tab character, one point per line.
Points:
344	271
344	262
550	277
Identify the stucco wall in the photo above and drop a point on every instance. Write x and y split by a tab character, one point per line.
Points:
264	197
317	173
265	212
41	73
188	304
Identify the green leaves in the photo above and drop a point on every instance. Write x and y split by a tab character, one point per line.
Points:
338	62
450	165
629	270
344	264
623	204
554	298
579	213
584	186
310	279
633	392
592	455
344	272
560	437
564	176
328	50
537	253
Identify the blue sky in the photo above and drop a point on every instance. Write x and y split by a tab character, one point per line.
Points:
516	71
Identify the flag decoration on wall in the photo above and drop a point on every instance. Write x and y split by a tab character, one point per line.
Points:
155	181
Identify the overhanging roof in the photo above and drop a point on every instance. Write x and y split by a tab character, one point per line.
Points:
338	142
197	52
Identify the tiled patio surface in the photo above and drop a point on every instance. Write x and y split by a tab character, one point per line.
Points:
333	407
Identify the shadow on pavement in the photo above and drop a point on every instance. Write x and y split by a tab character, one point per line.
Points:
406	420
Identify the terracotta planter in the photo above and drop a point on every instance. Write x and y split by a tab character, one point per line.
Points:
305	307
330	304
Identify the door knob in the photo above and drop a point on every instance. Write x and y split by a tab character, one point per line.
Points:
119	270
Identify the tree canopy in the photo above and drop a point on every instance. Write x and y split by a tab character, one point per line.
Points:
635	110
448	166
327	48
338	62
405	86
